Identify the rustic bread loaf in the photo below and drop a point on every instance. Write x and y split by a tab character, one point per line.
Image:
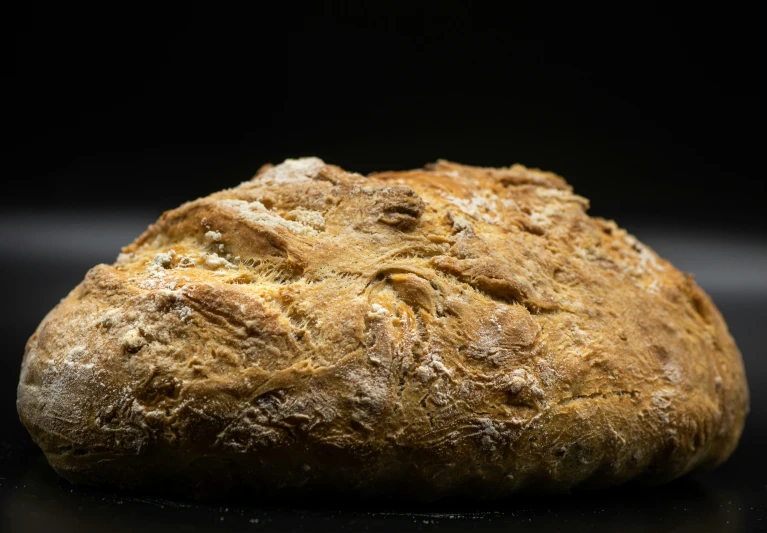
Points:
453	330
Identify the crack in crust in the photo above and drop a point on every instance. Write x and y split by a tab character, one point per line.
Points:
449	330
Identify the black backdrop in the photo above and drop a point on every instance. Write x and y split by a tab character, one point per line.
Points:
646	110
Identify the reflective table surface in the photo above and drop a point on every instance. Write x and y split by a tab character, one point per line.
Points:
44	256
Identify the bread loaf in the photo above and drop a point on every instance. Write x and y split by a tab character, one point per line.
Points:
452	330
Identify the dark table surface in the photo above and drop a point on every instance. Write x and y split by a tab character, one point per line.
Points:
45	255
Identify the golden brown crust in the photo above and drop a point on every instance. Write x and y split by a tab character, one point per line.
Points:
449	330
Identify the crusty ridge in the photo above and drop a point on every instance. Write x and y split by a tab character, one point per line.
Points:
439	330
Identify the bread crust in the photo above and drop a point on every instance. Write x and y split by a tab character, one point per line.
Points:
451	330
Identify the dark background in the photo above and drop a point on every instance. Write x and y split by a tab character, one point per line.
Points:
654	113
646	110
